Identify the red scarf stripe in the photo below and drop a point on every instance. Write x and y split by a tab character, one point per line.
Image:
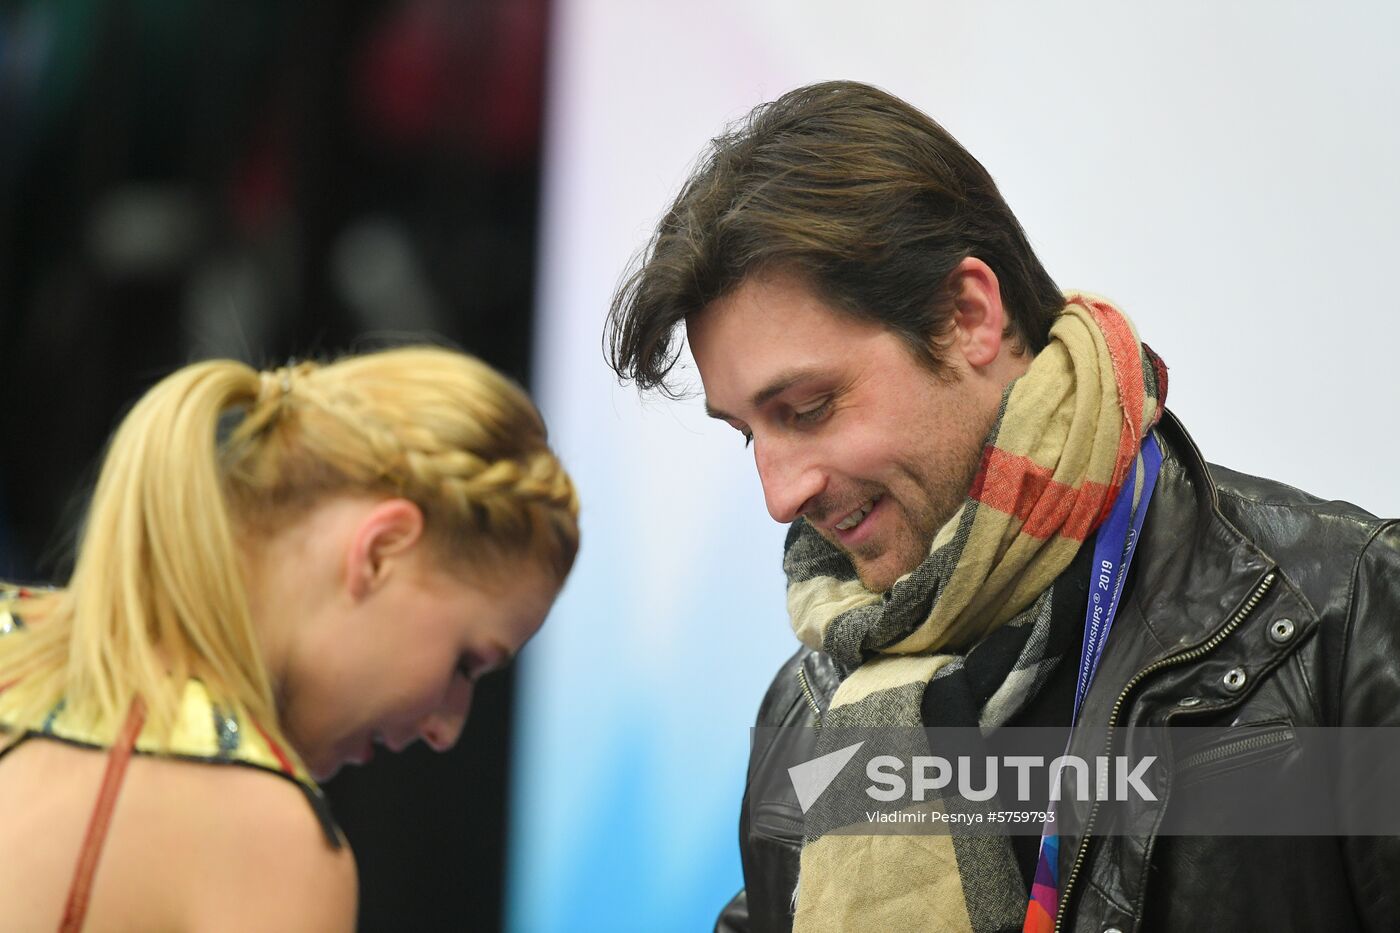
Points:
1020	487
1127	373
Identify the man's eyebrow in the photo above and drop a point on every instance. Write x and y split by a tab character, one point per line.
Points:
775	387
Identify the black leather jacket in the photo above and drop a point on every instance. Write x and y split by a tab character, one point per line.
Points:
1202	606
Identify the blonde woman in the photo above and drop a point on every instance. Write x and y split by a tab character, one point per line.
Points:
279	572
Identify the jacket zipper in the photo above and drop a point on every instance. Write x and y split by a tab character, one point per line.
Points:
807	692
1209	645
1253	743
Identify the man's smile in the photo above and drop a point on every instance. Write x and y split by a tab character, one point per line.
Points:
856	516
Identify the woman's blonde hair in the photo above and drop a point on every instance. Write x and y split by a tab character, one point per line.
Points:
217	454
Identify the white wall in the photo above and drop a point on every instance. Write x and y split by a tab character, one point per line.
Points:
1224	171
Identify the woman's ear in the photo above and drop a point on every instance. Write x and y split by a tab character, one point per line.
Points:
382	537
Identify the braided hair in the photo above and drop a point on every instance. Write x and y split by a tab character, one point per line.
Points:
217	454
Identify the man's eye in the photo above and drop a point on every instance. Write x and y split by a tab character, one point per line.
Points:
812	415
748	437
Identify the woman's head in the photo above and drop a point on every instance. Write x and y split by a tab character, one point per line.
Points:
435	467
372	638
438	428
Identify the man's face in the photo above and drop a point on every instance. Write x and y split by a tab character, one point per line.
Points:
849	430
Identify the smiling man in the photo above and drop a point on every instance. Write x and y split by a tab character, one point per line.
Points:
980	476
849	430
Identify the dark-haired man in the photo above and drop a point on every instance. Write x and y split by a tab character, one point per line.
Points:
956	444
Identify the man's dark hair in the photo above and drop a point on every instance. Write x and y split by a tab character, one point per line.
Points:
867	199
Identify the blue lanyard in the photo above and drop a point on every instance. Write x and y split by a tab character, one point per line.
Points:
1113	553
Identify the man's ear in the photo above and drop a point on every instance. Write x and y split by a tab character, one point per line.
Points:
979	318
384	535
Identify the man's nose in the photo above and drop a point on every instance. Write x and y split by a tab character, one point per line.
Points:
789	480
441	728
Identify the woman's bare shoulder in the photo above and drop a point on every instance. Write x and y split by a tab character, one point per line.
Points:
264	861
200	846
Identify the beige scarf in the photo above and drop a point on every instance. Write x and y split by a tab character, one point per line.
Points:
1066	439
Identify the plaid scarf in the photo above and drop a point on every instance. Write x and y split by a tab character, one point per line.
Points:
1065	438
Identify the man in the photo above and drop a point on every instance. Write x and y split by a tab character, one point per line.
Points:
957	444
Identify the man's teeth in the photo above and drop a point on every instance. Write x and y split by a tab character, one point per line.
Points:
854	519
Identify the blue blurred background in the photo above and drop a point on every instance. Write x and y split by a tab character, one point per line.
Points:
262	180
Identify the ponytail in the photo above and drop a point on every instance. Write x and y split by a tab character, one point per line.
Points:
157	595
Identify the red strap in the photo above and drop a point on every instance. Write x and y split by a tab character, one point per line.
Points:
277	752
117	760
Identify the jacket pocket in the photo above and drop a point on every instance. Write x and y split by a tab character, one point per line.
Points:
1222	751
